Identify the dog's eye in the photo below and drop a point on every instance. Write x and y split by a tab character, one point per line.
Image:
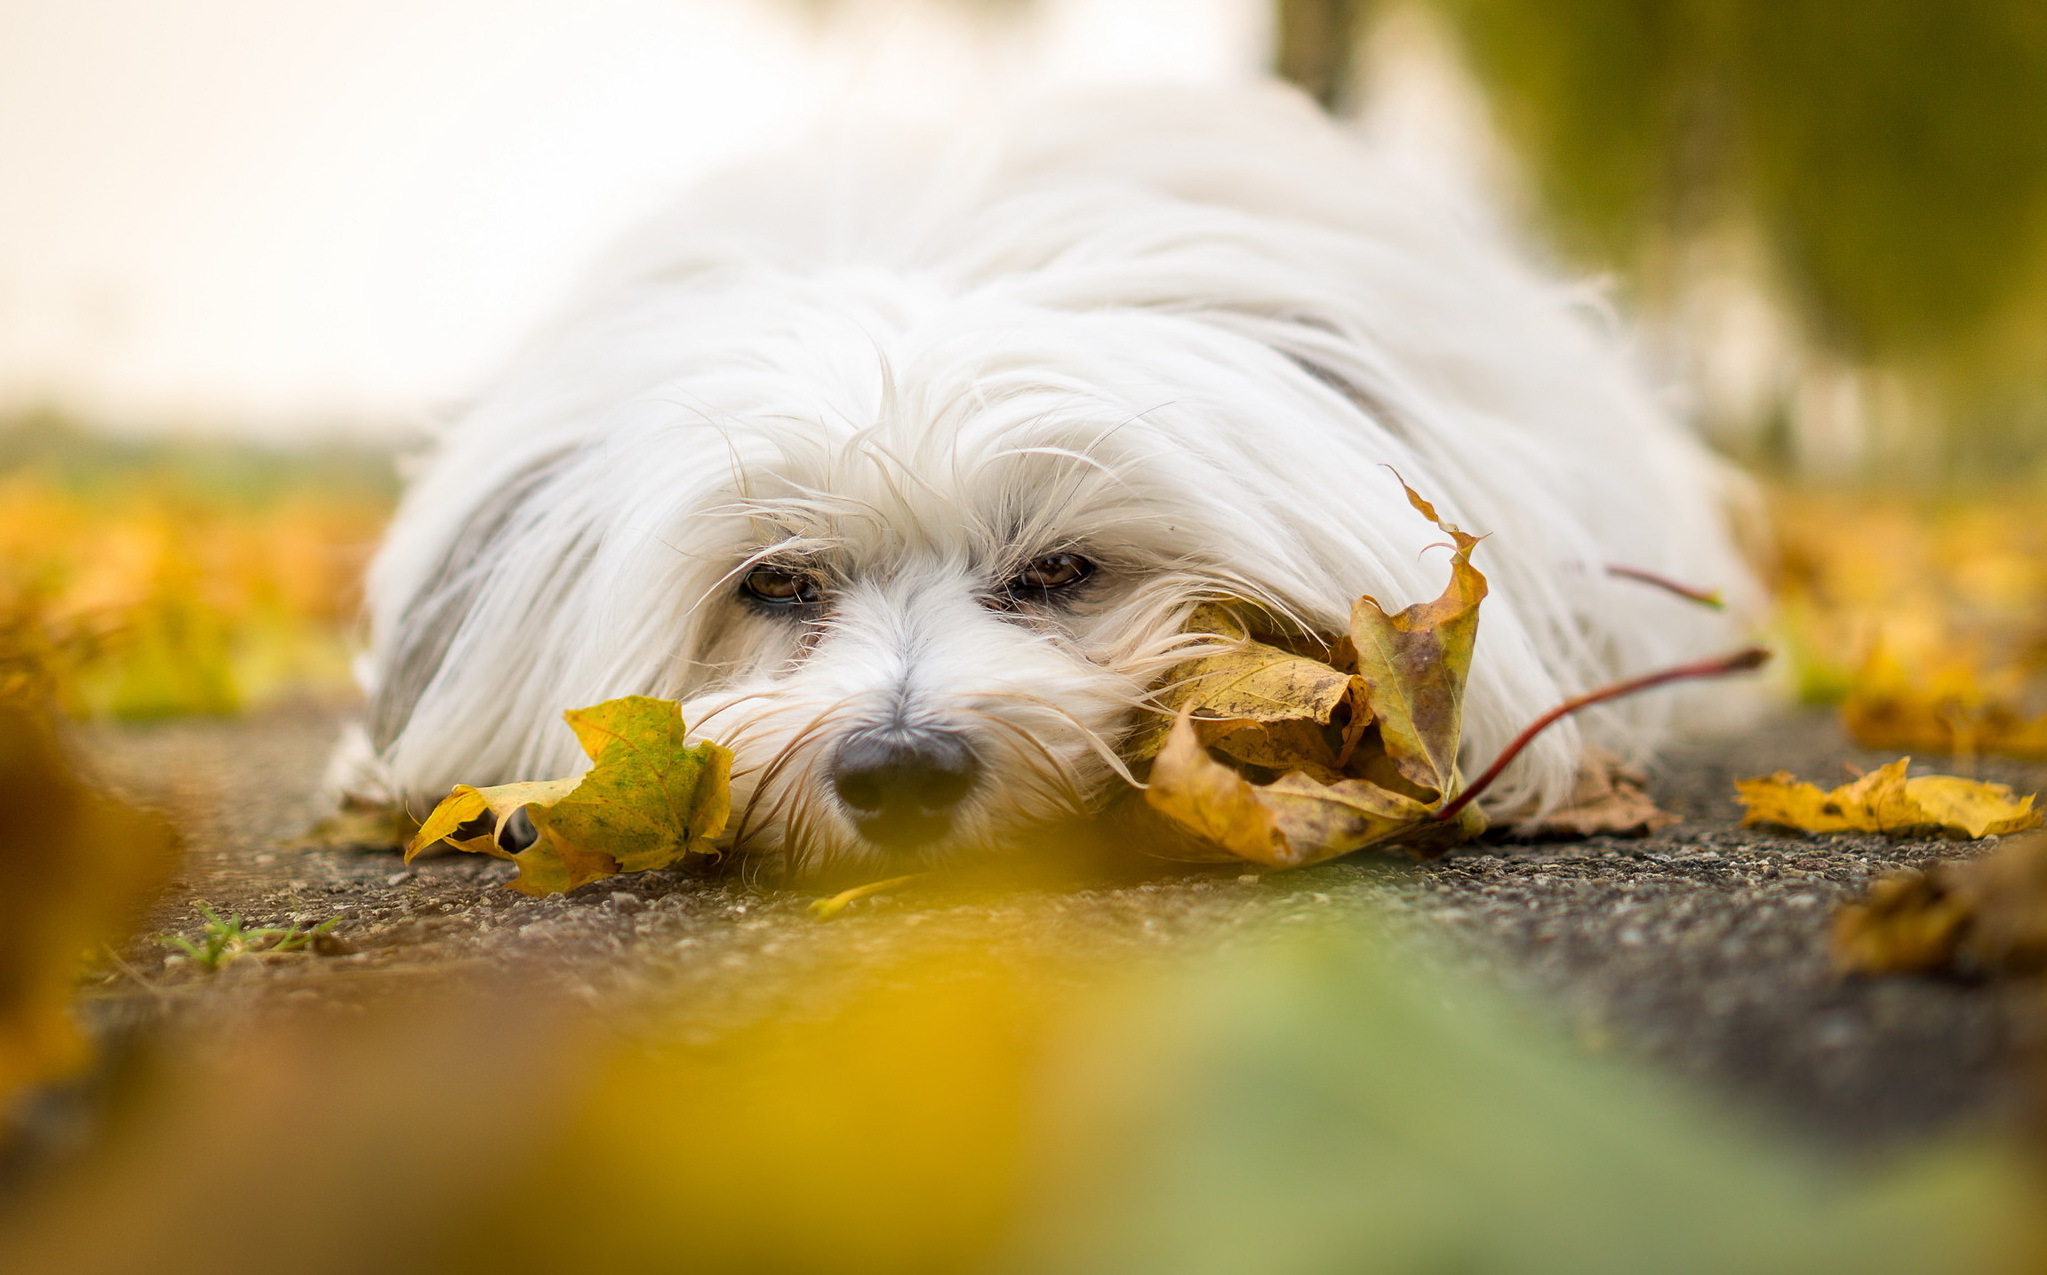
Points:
781	587
1053	571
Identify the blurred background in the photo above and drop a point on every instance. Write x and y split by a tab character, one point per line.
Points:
335	216
249	251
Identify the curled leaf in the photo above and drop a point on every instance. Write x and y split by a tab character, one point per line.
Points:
1294	821
1415	663
1255	700
1364	744
649	800
1885	801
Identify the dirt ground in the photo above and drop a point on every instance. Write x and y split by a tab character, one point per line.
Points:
1702	950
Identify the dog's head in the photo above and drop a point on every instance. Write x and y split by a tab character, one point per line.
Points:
923	642
926	618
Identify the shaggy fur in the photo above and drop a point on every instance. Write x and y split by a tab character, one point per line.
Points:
1185	337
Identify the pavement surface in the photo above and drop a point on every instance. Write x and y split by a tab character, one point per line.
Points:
1702	950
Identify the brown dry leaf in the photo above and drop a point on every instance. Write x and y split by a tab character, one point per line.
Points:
1415	663
76	871
1611	800
649	800
1980	916
1295	820
1255	701
1885	801
1366	742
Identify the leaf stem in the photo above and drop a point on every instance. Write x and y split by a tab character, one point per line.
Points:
1739	662
1704	597
826	909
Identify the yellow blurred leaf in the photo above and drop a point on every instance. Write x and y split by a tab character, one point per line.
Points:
1366	742
1885	801
1981	916
827	909
76	871
649	800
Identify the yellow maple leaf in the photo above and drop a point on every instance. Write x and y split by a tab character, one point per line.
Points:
1366	741
1885	801
649	800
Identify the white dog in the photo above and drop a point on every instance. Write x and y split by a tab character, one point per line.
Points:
903	464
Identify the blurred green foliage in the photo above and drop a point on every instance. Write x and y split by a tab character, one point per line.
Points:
1887	158
88	463
1318	1103
1892	152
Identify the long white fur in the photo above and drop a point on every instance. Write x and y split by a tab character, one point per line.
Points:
1185	335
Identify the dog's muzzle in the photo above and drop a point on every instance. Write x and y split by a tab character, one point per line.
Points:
901	786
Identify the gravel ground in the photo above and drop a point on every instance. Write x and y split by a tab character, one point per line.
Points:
1702	949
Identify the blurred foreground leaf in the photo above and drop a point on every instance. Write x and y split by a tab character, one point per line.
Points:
76	871
967	1096
1885	801
1981	916
1317	1105
649	800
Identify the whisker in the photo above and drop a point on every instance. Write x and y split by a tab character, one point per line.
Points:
1087	733
1058	773
781	761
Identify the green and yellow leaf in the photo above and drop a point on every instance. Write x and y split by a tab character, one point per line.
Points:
649	800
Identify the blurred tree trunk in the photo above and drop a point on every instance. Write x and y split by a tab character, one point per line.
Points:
1315	41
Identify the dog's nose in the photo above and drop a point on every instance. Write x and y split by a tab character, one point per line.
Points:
901	786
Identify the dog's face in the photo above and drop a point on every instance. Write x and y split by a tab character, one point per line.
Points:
917	654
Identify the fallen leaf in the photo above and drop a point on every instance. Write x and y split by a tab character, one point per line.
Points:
1885	801
1255	700
1611	800
649	800
1415	662
76	871
1365	743
829	908
1295	820
1977	916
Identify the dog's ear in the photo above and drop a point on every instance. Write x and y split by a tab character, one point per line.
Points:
425	628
